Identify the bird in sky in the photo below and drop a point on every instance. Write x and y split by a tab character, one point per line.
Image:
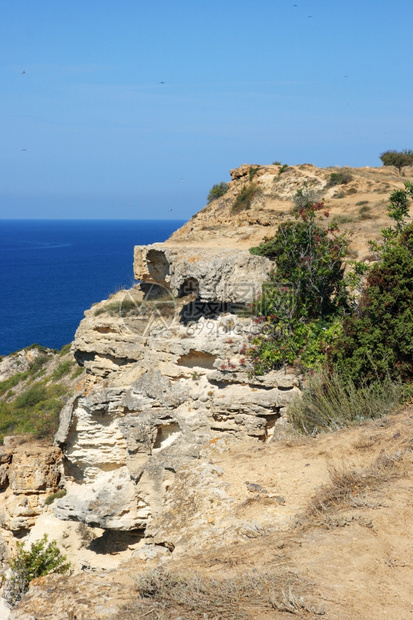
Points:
23	72
162	82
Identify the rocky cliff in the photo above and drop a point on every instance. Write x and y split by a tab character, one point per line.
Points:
147	446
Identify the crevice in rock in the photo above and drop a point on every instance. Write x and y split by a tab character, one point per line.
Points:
270	421
166	435
197	309
104	330
197	359
114	541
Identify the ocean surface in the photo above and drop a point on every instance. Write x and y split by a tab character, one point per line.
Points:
51	271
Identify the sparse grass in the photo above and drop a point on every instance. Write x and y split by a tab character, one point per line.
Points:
63	369
65	349
166	595
346	486
361	203
329	403
77	372
342	219
245	197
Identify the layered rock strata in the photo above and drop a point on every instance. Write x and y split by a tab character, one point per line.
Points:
168	374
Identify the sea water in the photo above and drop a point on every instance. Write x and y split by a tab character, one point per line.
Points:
51	271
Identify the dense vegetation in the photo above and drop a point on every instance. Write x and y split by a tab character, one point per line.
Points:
306	293
310	318
31	400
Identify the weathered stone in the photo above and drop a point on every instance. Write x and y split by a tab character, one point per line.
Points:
216	275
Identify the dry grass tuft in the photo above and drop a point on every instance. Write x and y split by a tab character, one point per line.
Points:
167	595
348	486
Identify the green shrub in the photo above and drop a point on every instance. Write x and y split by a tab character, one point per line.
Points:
362	202
252	172
365	213
12	381
217	190
378	340
41	559
283	168
298	313
341	177
51	498
305	198
330	402
309	260
245	197
398	159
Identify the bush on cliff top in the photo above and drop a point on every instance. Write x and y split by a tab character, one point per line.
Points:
305	294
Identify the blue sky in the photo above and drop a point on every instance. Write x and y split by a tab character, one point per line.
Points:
87	130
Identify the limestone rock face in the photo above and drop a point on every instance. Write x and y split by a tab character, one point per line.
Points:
168	374
218	275
28	474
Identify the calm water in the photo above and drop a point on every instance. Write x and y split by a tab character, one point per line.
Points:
53	270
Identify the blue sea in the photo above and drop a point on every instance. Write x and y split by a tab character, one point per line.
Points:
51	271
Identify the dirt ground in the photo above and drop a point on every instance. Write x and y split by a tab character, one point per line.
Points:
334	534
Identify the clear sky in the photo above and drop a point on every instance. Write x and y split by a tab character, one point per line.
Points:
128	109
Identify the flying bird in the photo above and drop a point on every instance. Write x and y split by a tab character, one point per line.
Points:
23	72
162	82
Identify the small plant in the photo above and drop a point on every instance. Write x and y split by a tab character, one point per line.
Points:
365	213
51	498
276	163
65	349
195	376
217	190
42	558
360	203
252	172
305	198
341	177
341	219
283	168
245	197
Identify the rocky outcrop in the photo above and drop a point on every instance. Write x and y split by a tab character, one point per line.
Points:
28	474
176	377
215	275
